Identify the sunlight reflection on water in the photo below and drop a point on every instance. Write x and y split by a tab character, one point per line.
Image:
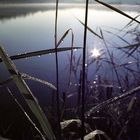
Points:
32	32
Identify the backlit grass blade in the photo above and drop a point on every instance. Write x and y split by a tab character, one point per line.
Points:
117	10
28	77
63	37
93	134
28	96
39	53
112	100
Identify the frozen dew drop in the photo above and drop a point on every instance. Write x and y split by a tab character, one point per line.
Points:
75	84
70	83
130	62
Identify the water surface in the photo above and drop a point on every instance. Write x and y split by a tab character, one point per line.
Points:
32	29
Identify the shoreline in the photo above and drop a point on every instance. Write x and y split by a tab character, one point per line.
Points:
5	5
8	10
48	6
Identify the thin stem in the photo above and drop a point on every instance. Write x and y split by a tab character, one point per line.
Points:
84	73
57	75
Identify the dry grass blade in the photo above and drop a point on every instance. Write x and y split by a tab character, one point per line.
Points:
63	37
65	123
92	135
28	96
71	58
111	101
118	11
89	29
39	53
28	77
27	116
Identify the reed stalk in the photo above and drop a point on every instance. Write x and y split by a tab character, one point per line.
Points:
57	76
84	72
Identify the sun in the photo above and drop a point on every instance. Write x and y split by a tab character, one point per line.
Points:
95	53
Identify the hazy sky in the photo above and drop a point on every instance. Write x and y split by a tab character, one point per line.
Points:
108	1
123	1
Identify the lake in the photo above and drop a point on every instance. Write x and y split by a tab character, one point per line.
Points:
26	28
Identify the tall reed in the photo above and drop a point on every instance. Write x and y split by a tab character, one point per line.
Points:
57	76
84	71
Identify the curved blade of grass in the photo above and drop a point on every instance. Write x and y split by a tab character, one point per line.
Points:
112	100
25	113
28	77
72	46
71	57
38	53
92	135
118	11
28	96
63	37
